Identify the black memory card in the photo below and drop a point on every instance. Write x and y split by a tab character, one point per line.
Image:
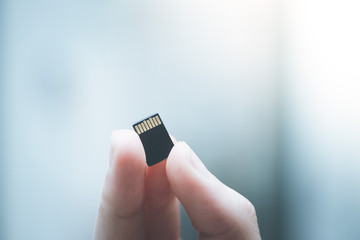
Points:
155	139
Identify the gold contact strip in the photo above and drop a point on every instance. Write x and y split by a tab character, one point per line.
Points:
152	122
147	126
143	126
137	129
157	123
158	119
149	123
141	130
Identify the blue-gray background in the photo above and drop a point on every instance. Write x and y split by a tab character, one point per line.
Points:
266	92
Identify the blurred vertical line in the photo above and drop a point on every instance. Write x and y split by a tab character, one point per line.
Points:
280	124
2	102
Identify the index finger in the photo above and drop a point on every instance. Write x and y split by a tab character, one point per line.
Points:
121	212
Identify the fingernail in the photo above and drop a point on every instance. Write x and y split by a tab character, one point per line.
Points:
195	161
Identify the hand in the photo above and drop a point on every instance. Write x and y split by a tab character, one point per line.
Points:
141	202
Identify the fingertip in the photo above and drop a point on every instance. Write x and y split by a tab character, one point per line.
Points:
175	163
182	160
176	153
124	187
184	174
125	145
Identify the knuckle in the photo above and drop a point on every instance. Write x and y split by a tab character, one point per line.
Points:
115	210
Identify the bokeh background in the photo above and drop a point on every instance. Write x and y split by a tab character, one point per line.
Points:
266	92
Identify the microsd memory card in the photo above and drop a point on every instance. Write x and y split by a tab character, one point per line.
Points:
155	139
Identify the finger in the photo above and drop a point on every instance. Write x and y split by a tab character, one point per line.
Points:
215	210
121	213
162	207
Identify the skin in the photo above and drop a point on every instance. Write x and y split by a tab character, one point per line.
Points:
141	202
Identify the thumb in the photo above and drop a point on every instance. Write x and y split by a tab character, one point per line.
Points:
216	211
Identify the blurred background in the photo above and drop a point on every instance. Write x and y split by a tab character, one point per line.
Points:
266	92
